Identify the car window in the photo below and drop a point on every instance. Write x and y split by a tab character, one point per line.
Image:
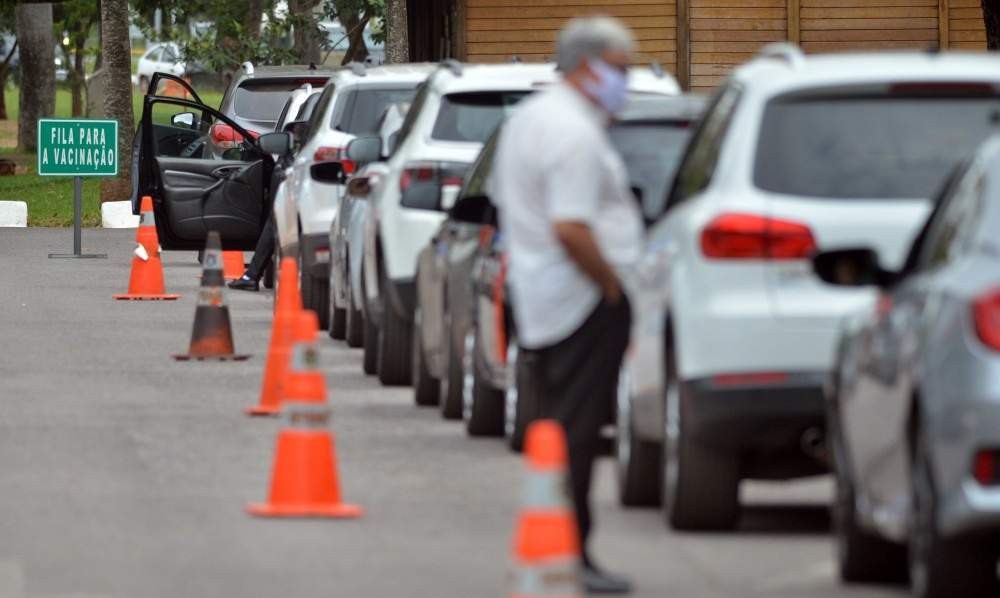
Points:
182	131
419	99
952	229
473	116
651	152
702	154
262	100
169	55
479	174
870	147
154	55
306	109
316	118
365	106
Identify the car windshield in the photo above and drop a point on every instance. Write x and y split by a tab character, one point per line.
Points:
651	151
262	100
366	106
869	147
473	116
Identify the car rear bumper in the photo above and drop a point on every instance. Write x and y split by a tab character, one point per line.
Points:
316	255
764	423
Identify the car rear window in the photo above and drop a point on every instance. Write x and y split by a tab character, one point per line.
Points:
473	116
263	100
365	106
651	152
882	147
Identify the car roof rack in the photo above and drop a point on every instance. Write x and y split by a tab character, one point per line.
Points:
358	69
454	66
790	53
248	67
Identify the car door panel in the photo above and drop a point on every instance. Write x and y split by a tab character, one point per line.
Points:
203	195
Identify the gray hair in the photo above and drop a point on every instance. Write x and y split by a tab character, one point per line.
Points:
589	37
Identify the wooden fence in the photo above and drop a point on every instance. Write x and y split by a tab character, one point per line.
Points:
702	40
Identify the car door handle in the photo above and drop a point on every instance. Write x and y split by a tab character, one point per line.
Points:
224	172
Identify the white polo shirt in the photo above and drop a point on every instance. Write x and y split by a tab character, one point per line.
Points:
555	163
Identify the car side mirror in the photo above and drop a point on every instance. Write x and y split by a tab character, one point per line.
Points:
183	119
852	268
296	128
474	209
327	172
365	150
279	143
359	187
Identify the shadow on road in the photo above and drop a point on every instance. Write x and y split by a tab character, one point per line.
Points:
785	519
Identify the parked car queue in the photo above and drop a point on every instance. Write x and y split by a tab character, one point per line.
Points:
817	291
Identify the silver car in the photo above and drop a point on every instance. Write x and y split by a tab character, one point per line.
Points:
913	405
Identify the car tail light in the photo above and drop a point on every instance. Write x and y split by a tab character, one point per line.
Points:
226	137
984	468
943	89
986	315
421	182
749	236
326	154
750	379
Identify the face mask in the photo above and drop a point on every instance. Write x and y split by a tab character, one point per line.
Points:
611	87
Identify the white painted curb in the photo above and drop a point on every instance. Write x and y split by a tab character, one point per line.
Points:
118	214
13	213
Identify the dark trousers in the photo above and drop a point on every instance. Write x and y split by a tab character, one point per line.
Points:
264	250
577	382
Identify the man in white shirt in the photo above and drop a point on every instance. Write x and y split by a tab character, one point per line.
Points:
570	221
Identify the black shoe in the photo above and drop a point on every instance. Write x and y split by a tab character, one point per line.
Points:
245	283
596	581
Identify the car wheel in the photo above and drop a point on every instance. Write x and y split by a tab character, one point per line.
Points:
354	331
522	397
700	484
394	344
451	383
337	316
482	405
426	389
316	296
861	556
943	567
638	460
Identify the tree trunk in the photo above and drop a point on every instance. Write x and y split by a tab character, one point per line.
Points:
3	80
254	18
78	74
38	76
306	35
991	15
357	50
397	45
116	48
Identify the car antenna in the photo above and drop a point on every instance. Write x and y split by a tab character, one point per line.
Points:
248	67
312	66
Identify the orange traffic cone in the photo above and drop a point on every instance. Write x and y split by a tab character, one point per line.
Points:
303	381
304	482
146	281
287	305
546	555
212	336
232	264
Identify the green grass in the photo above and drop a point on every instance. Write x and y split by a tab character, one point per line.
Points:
50	199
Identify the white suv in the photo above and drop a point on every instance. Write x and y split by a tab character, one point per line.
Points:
350	105
453	114
735	336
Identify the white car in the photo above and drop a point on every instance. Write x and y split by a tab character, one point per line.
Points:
350	105
454	113
734	336
159	58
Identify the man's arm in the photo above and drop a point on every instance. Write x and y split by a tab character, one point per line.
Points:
579	242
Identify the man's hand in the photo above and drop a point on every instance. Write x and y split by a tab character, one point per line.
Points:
579	242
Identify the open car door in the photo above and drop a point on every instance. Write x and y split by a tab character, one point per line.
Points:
203	171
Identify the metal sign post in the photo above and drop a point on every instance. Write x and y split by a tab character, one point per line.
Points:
77	148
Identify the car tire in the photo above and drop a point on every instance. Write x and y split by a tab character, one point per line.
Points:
337	316
700	484
426	388
451	383
316	296
482	405
943	567
526	406
638	461
394	359
354	328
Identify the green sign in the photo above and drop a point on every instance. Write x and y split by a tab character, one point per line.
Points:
77	147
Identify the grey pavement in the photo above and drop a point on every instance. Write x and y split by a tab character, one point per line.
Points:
125	474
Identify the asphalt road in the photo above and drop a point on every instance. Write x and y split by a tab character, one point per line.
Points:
125	474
